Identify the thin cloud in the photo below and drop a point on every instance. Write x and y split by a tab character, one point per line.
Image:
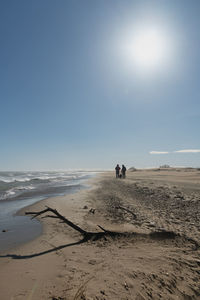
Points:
188	151
158	152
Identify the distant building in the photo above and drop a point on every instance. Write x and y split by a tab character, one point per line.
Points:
165	167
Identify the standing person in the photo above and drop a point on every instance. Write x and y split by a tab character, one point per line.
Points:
117	169
123	171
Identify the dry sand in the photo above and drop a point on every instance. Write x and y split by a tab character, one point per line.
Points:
139	265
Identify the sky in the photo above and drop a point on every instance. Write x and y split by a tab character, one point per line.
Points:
89	84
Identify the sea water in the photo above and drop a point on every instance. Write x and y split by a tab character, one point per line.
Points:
21	189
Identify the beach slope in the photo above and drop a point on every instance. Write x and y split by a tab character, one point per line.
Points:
156	256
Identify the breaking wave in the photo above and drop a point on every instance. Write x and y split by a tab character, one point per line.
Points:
18	185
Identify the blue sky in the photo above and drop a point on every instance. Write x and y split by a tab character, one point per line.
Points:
72	98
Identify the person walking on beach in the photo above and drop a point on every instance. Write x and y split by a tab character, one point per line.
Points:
117	169
123	171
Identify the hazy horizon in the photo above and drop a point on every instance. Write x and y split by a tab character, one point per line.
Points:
95	169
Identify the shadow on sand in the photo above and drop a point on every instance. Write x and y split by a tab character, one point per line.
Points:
156	236
16	256
94	236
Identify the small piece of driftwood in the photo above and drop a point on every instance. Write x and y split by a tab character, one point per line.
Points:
127	210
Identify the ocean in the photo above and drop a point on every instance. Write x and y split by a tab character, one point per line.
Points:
21	189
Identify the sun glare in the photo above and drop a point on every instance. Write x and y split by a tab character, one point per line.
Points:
147	49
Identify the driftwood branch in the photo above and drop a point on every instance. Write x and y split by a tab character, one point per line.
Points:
127	210
59	216
97	235
102	228
86	234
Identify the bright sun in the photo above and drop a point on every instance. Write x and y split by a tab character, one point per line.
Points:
147	48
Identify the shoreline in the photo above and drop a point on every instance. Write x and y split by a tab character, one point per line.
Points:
134	266
14	232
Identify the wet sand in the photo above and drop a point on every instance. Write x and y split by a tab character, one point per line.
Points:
158	258
16	229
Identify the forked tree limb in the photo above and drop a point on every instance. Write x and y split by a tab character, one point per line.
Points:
57	215
97	235
87	235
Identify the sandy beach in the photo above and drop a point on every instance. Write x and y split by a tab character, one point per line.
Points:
154	255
